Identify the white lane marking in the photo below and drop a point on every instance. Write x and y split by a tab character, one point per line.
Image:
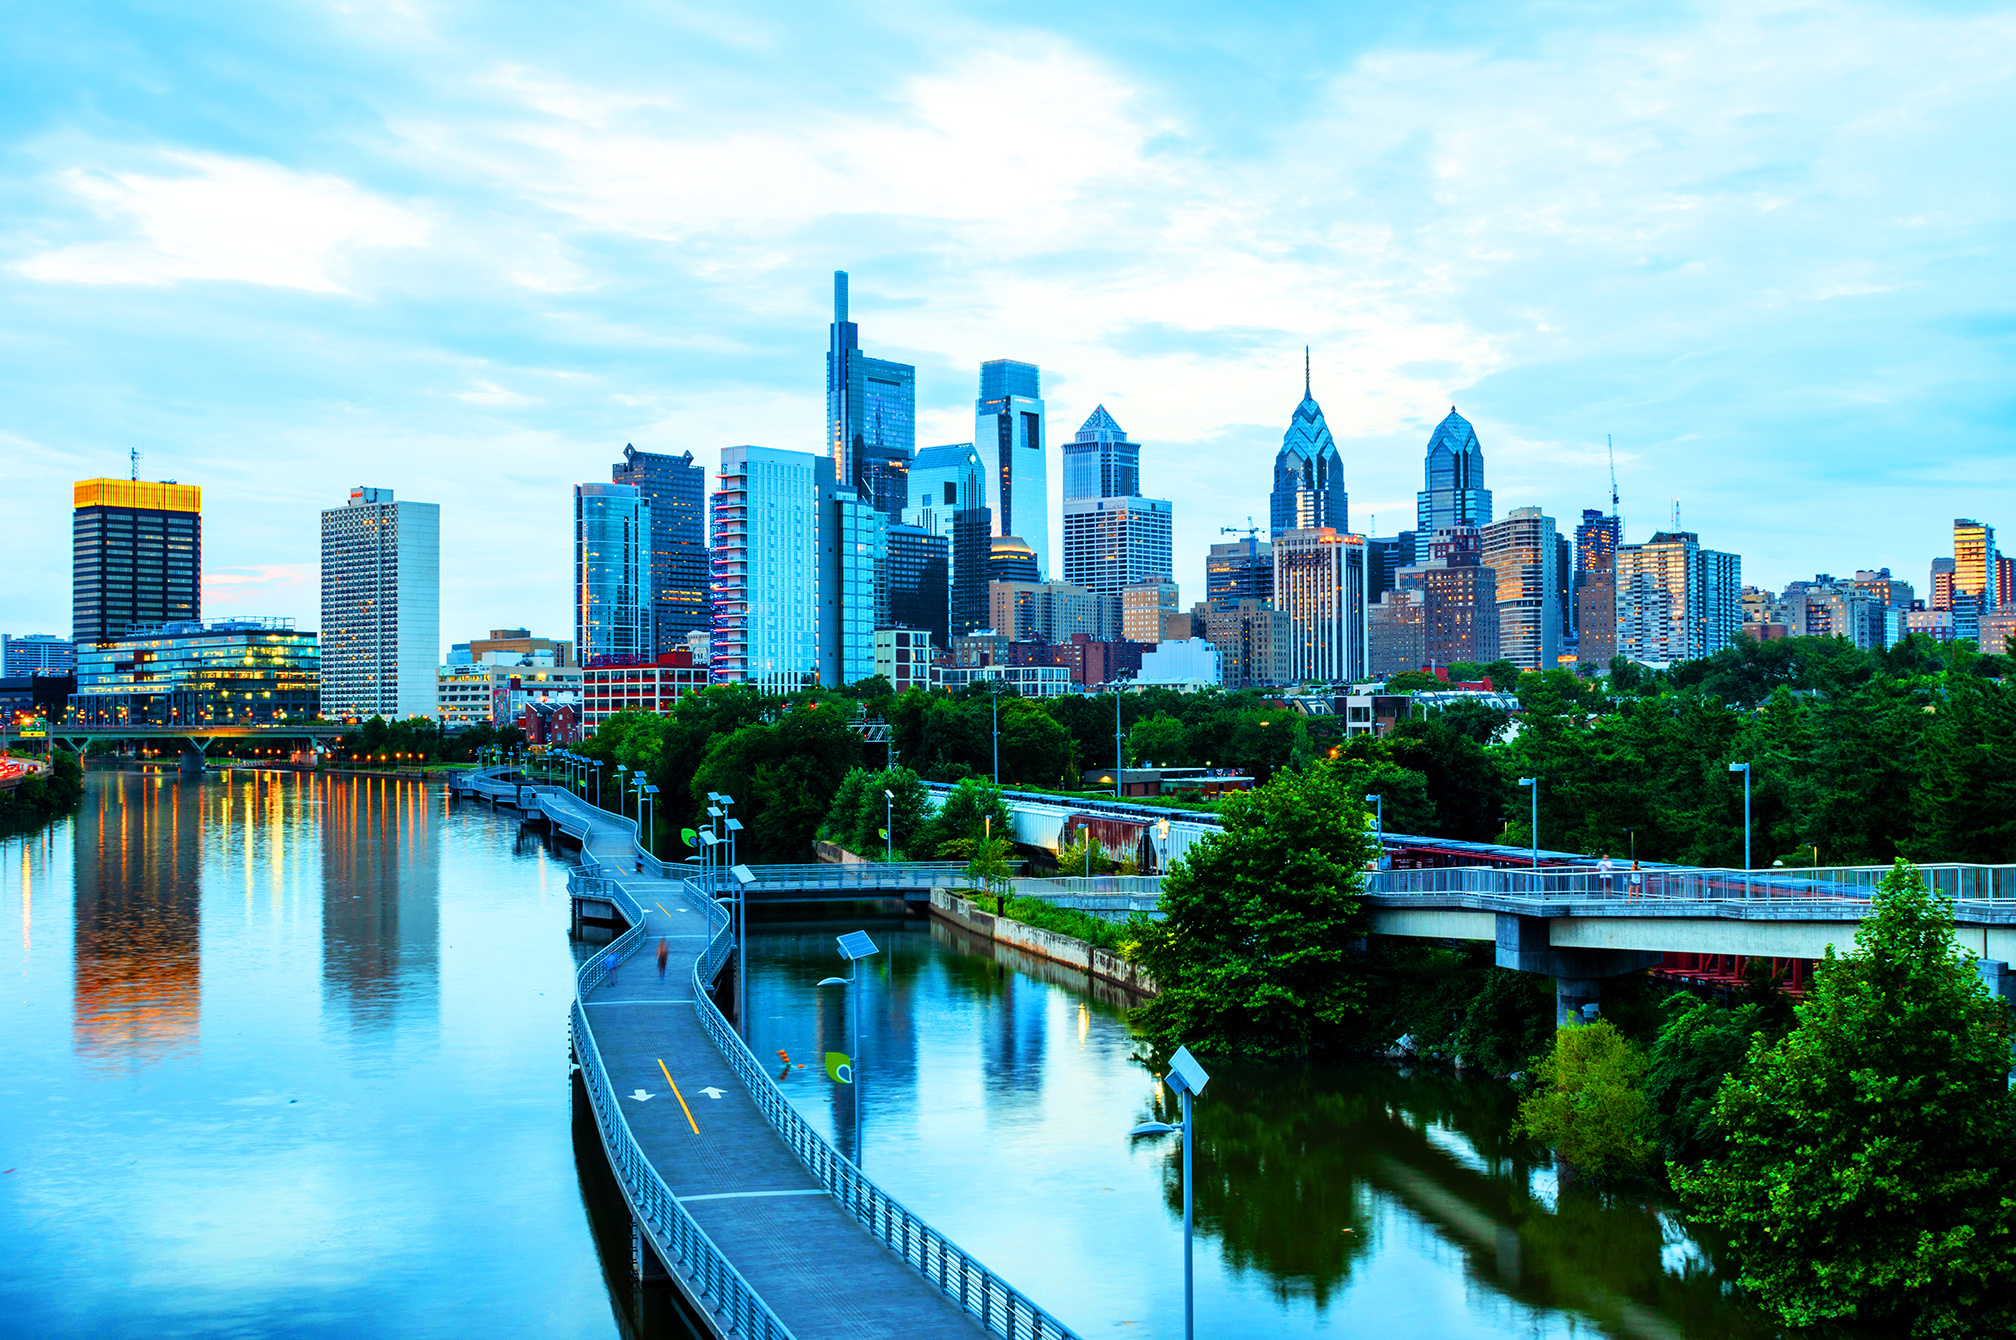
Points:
642	1096
713	1092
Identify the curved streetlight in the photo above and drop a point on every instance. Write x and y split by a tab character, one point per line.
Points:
1380	801
1744	768
1533	832
888	827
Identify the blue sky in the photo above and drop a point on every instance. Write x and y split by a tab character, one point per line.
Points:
467	252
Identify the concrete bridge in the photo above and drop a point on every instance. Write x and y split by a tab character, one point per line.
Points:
763	1227
195	740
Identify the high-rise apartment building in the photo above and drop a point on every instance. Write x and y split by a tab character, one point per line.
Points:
1975	571
1309	490
1111	543
1595	590
612	573
381	607
1146	608
1831	607
920	585
1459	598
1100	462
1252	638
1051	612
136	556
1319	583
871	414
1942	583
1398	632
1008	431
36	654
1455	494
1675	600
676	490
1523	551
853	585
766	557
1241	570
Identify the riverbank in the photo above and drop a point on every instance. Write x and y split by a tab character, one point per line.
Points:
1033	940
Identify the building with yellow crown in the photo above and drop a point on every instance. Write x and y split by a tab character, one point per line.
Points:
137	557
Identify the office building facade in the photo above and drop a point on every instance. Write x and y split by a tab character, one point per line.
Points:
1454	477
871	415
1008	432
1397	630
381	607
1309	487
1459	598
853	585
920	585
1111	543
237	672
1595	586
136	556
1676	601
1241	570
945	481
1319	583
676	491
36	654
612	572
638	684
1146	607
1523	551
1252	641
1100	462
766	557
472	694
1051	612
972	550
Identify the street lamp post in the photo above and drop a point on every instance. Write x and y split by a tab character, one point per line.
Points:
1119	743
1533	832
1380	801
1188	1079
994	697
889	828
651	820
598	783
622	786
854	946
1744	768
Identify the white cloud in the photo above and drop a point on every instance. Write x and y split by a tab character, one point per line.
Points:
222	218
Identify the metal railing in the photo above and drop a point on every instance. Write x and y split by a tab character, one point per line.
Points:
1848	887
1094	886
978	1291
854	874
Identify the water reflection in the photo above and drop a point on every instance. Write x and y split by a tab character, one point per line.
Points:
138	961
381	892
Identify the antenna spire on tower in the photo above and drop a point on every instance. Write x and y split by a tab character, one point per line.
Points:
134	456
1305	372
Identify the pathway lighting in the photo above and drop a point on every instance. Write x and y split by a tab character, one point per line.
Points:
1744	768
1380	801
1533	833
1188	1079
854	946
888	827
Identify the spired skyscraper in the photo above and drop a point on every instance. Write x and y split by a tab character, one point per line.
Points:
1455	495
1308	473
1008	431
1100	462
871	415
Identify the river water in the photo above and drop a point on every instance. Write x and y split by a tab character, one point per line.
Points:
287	1056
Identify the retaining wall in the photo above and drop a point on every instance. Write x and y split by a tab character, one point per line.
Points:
1065	949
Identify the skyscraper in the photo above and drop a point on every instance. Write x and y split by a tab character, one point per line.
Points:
1455	495
612	572
972	549
136	556
767	567
944	481
1008	431
1111	543
871	414
1319	583
1308	473
1974	576
381	607
1100	462
920	591
1675	600
1596	541
1145	608
676	490
1241	570
1459	599
1522	551
1252	638
853	584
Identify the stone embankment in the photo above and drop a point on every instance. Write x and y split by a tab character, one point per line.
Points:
1067	950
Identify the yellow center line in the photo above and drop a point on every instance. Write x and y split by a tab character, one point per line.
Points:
681	1097
661	908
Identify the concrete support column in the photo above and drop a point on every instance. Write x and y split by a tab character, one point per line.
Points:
1571	994
644	1262
194	752
2000	981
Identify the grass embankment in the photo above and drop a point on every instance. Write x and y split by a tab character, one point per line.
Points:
1045	915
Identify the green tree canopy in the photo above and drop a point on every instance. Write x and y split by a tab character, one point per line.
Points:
1866	1179
1591	1104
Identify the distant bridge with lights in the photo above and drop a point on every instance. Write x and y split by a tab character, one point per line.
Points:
195	740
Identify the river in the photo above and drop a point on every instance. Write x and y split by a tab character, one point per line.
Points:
287	1057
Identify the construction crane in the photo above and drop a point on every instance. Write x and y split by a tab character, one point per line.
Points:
1251	531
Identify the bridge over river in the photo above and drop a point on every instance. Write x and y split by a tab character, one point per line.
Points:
764	1227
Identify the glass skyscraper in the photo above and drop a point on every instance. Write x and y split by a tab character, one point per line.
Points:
136	556
676	490
1100	462
920	591
1309	488
1455	495
1112	543
871	414
612	572
1008	432
1523	551
766	567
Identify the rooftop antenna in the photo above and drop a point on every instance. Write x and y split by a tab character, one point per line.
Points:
134	455
1676	516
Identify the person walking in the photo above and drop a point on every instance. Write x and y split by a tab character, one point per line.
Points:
610	962
1605	868
664	952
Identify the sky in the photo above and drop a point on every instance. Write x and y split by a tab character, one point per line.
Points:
467	252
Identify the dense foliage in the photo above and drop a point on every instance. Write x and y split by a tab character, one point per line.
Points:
1866	1177
415	740
879	812
1254	954
1590	1104
43	798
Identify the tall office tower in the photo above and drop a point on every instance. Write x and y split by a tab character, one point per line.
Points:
2005	580
853	584
920	582
1241	570
1308	473
1398	632
1595	593
972	548
1111	543
381	607
36	654
1522	550
1384	552
1319	583
1008	430
944	481
1455	495
676	490
1459	598
1675	600
136	556
1252	638
612	572
1942	583
1100	462
871	414
1974	574
1145	608
766	567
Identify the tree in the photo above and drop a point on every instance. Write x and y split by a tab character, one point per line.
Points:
1700	1043
1591	1104
1159	739
965	816
1408	808
1254	952
1869	1148
861	811
1034	749
783	775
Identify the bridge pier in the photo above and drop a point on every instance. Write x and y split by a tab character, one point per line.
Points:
1524	944
195	755
645	1266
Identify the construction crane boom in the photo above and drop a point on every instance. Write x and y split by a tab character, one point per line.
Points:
1251	531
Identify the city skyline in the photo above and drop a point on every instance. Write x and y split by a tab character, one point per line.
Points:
1677	249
